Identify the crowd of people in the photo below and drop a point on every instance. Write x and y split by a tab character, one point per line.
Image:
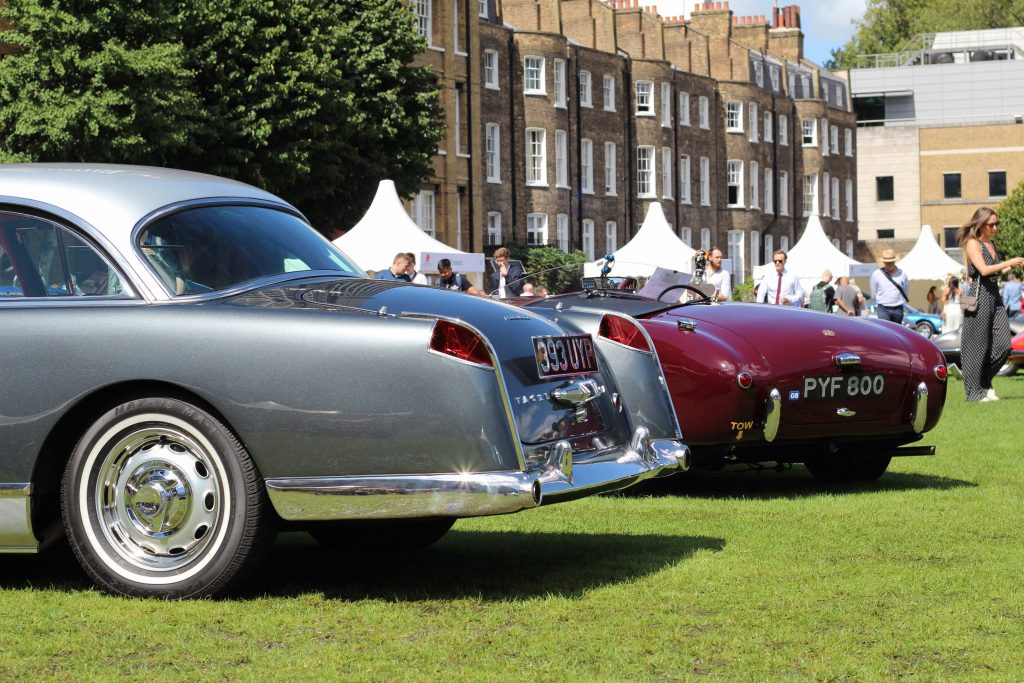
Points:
507	280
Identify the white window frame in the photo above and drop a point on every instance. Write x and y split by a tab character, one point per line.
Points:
684	109
849	200
768	249
810	193
755	189
537	229
703	113
666	173
610	152
686	235
809	125
705	238
685	180
588	238
752	107
834	132
759	74
481	9
769	191
561	97
755	249
456	25
536	157
849	248
585	90
424	10
425	211
492	152
646	172
644	98
825	204
835	198
736	253
533	75
611	236
493	228
587	166
608	92
666	105
848	139
733	117
561	159
491	70
783	130
705	181
734	178
774	71
784	243
458	121
824	137
768	135
562	231
783	193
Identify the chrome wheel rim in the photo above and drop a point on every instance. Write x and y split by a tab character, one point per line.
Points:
159	497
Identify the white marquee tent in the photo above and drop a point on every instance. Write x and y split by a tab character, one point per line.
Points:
810	256
927	260
653	245
386	229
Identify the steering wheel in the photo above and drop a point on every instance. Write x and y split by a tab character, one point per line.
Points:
703	297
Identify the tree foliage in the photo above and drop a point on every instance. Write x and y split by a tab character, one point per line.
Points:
892	25
552	268
314	100
1009	239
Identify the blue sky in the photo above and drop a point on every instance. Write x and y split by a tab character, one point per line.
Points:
825	24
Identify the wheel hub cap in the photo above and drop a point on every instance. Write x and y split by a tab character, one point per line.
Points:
157	498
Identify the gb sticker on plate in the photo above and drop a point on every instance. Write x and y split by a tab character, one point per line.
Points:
794	395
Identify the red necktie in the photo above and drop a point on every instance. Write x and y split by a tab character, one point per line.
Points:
778	289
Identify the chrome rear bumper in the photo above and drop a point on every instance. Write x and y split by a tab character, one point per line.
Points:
475	494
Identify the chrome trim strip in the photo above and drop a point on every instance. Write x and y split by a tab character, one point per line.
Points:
471	494
845	359
919	414
16	519
772	415
845	412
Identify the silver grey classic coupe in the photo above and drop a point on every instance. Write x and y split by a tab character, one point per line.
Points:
187	365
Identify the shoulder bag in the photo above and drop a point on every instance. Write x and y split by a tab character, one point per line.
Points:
969	303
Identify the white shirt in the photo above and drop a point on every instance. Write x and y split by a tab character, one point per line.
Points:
790	289
419	278
722	280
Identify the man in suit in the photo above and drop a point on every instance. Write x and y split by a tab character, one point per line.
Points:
781	286
507	278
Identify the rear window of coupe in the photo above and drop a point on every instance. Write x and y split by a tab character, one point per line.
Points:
211	248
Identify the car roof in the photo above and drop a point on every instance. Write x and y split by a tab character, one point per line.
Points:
114	197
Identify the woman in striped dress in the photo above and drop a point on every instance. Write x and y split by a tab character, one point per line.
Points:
985	335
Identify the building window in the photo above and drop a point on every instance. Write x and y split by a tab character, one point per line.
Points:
492	142
783	193
835	139
849	248
949	237
645	171
458	118
608	93
666	172
585	100
755	249
784	243
423	210
835	198
883	188
734	183
759	74
705	238
644	98
849	200
769	191
703	113
736	254
610	237
684	109
491	69
767	126
587	166
753	121
562	231
561	159
666	105
755	178
609	169
560	95
684	179
537	229
686	235
774	70
705	181
809	129
810	194
824	137
536	156
482	8
734	117
825	188
886	234
997	183
951	185
848	139
456	25
835	243
424	21
533	75
588	239
783	130
493	228
769	248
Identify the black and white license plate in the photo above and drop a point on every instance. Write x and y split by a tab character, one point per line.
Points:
562	356
843	386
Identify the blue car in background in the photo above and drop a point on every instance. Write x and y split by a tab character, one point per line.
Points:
926	324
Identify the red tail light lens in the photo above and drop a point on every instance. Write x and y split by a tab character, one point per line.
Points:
623	331
460	342
745	380
941	372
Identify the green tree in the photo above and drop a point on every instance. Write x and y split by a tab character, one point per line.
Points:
552	268
314	100
1009	239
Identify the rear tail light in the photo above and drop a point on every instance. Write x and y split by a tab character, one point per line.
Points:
745	380
941	372
460	342
623	331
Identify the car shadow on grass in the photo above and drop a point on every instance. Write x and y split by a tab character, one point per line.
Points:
483	565
792	482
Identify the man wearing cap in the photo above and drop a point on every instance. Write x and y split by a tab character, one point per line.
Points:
889	287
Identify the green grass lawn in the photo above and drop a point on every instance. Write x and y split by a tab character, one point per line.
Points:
748	575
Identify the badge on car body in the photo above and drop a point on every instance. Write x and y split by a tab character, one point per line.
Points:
828	333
